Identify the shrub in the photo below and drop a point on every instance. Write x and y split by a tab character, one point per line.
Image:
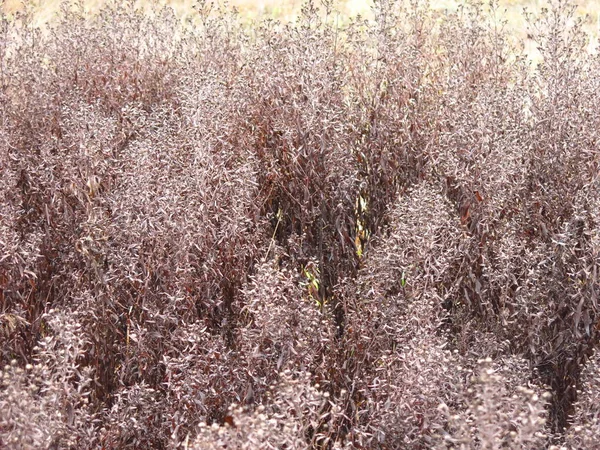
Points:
379	234
583	431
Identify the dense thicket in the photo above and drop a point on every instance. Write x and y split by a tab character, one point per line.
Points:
383	234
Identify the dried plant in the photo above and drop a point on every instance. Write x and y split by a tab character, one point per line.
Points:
317	234
583	432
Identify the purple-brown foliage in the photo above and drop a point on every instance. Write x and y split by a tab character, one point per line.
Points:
309	235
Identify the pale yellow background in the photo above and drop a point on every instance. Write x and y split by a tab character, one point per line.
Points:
288	9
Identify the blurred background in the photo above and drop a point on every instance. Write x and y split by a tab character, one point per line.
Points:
289	9
511	12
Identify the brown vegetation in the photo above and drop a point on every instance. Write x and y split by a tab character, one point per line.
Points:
382	235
